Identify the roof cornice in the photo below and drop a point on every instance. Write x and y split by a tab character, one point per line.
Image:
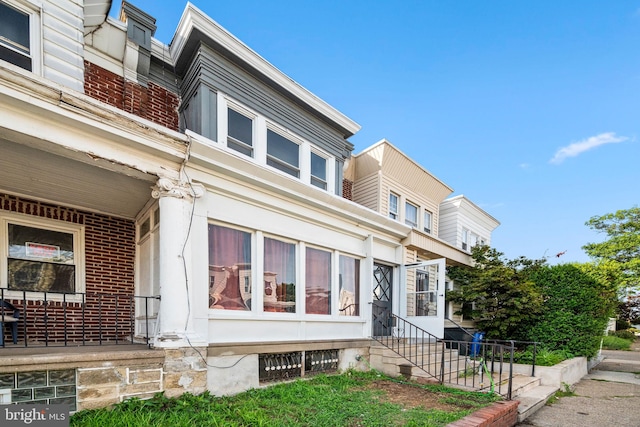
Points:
194	18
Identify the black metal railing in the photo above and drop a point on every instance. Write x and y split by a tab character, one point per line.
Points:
477	365
61	319
523	346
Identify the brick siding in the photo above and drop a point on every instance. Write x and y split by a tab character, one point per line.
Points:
109	269
347	189
153	102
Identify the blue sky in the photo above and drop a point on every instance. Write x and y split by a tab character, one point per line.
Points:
530	109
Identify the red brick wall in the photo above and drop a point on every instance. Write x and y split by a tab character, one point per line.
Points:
109	271
347	189
500	414
153	103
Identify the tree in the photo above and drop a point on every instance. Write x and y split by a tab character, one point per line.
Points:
500	292
621	249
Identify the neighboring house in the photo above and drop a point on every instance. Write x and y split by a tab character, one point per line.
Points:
464	225
387	181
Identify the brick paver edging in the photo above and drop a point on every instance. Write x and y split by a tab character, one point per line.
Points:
500	414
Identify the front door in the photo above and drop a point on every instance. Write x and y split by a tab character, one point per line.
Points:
382	287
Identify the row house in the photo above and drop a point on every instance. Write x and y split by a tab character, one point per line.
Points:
187	200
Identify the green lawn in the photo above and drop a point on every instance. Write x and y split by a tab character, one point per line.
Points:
350	399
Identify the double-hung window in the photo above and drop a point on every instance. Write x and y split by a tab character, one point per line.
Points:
393	206
239	132
465	239
42	257
411	214
18	31
279	276
427	221
318	171
283	154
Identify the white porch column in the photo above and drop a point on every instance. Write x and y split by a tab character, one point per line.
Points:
176	199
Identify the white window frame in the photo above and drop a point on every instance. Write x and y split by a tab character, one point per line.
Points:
406	217
465	239
230	105
427	226
394	214
326	169
76	230
34	10
302	160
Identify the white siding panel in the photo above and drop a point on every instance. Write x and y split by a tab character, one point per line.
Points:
62	28
365	192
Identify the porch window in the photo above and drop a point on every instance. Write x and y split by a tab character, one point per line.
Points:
349	282
15	37
279	276
318	281
40	259
283	154
229	268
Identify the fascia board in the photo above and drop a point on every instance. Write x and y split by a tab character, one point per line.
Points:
193	17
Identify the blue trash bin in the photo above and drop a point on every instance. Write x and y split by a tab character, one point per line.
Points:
476	344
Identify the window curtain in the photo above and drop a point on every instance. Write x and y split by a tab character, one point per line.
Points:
349	286
318	281
279	276
229	268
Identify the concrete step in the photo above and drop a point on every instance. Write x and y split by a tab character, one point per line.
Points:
534	399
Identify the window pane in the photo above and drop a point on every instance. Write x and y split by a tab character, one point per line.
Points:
318	166
282	153
349	286
279	276
318	282
229	268
14	28
240	130
427	222
393	206
40	260
411	215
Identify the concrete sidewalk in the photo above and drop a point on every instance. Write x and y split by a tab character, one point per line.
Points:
608	397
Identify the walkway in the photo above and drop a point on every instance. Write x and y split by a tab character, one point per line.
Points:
608	397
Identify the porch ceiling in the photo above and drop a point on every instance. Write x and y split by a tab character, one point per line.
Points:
34	173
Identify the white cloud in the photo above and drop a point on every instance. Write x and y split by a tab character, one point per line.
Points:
524	165
580	147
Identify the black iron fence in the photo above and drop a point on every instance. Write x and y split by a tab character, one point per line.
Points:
48	319
476	364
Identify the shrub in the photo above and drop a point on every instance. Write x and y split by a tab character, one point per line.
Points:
544	356
622	324
575	311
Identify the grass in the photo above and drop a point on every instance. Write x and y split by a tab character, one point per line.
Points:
349	399
616	343
561	393
544	357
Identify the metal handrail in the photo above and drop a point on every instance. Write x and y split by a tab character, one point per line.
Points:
459	327
448	361
61	319
516	342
